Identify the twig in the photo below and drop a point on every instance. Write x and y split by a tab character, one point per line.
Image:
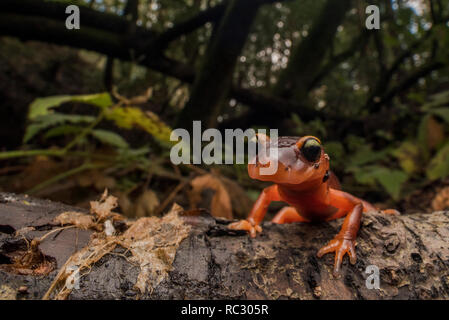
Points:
85	132
170	197
63	175
53	231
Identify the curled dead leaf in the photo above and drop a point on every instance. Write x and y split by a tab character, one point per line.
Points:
81	220
441	200
152	241
29	261
146	204
241	203
97	179
103	208
221	205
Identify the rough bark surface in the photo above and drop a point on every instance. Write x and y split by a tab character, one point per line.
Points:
212	262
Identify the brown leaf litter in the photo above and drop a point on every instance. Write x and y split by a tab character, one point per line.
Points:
100	211
221	205
152	241
441	200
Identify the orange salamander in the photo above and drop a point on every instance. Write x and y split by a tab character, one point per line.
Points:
304	181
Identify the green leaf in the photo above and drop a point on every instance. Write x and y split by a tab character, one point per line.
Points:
253	194
336	151
63	131
133	117
437	100
43	122
42	106
442	113
111	138
423	130
390	179
408	155
439	165
366	155
133	154
101	100
363	176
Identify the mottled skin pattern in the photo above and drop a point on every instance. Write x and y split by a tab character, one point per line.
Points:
304	181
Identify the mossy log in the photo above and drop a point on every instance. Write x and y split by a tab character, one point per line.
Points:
212	262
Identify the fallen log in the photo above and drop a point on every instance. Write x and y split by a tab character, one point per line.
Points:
192	255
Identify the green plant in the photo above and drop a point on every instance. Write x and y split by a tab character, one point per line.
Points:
424	155
45	120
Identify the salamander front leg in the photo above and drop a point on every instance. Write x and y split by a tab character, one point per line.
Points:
251	224
344	241
288	215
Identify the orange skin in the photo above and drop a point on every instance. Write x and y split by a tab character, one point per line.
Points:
312	192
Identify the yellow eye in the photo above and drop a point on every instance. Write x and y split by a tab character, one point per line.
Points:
311	149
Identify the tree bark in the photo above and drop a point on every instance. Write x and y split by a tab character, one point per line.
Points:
56	10
212	262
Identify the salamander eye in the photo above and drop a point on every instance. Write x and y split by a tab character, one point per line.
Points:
311	149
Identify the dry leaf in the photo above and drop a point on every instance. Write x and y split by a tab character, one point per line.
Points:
100	210
153	243
103	208
134	100
23	231
221	202
241	203
96	179
40	169
125	203
109	229
435	133
81	220
441	200
146	204
29	262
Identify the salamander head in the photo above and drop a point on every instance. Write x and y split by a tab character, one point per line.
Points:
299	160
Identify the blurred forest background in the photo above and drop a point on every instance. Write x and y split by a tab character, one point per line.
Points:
89	109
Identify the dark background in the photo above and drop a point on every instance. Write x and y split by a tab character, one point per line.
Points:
378	99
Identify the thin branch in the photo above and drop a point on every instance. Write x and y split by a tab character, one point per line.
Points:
214	79
408	82
308	56
64	175
357	44
56	10
385	79
191	24
121	46
108	75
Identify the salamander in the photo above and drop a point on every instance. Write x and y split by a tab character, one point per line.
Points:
303	180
